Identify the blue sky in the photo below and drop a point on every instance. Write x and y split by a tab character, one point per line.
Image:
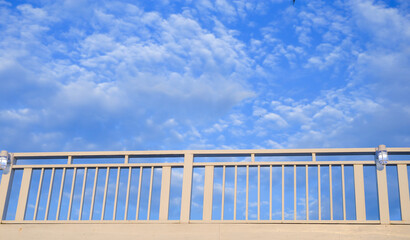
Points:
148	75
161	75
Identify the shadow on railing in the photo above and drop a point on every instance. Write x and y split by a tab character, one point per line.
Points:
208	186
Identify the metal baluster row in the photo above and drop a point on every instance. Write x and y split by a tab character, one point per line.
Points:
325	192
47	182
48	187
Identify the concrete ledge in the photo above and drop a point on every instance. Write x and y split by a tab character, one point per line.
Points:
202	231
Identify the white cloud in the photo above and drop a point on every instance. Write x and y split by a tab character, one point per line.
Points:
272	144
276	119
24	116
369	108
79	76
385	24
3	2
31	13
106	76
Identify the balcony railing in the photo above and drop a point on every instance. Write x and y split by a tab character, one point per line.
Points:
207	186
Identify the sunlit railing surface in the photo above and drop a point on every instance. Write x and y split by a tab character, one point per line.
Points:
208	186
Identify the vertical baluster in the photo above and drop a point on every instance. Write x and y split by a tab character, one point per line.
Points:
234	194
319	193
343	192
70	205
38	194
128	190
82	194
283	192
139	194
105	193
49	193
60	195
247	191
223	192
259	191
307	193
330	192
270	192
294	193
93	196
116	193
150	192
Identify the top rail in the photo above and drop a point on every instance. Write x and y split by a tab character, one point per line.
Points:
212	152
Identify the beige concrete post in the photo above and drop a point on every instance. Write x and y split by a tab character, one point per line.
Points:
404	192
5	186
165	187
208	192
186	187
359	192
383	196
22	202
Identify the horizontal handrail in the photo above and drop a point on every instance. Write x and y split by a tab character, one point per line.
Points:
205	152
199	164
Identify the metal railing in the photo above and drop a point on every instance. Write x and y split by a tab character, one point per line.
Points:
207	186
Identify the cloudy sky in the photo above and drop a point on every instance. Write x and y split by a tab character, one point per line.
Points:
139	75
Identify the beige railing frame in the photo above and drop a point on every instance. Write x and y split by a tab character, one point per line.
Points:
188	164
